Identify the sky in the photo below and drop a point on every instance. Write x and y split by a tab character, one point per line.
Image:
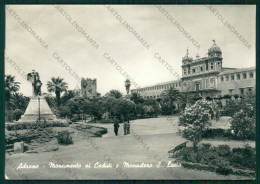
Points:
115	40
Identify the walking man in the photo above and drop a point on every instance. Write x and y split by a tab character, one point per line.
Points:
128	127
116	126
125	128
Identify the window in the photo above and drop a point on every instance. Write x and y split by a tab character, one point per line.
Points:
197	86
201	69
251	75
249	89
232	77
244	75
179	84
230	91
184	72
207	65
242	91
222	78
193	70
238	76
227	78
212	66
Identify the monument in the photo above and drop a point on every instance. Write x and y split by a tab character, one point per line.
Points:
38	108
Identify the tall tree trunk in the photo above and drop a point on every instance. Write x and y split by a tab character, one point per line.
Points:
58	97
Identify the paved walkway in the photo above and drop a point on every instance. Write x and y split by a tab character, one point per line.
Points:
148	143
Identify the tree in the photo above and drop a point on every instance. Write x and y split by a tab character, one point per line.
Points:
77	105
195	119
57	85
123	109
68	95
96	108
11	87
136	98
114	93
243	121
171	95
18	101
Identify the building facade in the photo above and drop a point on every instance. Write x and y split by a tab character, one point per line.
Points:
206	77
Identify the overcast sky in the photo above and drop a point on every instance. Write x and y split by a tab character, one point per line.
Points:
113	38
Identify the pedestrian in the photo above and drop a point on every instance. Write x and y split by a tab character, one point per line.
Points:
125	128
128	127
116	126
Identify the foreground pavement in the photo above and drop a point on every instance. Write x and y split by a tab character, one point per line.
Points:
147	145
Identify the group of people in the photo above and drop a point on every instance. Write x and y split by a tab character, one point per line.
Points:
126	127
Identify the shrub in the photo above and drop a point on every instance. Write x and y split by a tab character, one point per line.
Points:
223	150
223	167
243	157
243	125
64	138
216	133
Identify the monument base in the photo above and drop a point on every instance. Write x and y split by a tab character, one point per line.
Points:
35	105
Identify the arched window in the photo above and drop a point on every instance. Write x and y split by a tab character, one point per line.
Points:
212	66
227	78
244	75
238	76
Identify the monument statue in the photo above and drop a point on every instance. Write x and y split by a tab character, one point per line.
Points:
127	85
38	108
34	78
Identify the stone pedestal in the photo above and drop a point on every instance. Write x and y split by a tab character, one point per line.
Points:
32	112
19	147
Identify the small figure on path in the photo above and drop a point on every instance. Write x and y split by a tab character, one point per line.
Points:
116	126
128	127
125	128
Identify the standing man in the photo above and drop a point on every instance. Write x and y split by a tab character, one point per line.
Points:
125	128
116	126
128	127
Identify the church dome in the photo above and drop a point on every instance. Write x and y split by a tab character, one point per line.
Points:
214	48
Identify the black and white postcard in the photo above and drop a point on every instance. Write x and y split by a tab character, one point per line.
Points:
130	92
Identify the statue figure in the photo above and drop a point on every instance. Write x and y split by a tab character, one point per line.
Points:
34	78
127	85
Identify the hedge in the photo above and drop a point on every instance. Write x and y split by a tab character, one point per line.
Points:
34	125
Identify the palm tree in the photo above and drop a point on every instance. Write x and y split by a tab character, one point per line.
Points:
10	87
171	95
57	85
18	101
114	93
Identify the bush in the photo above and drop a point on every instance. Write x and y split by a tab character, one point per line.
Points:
64	138
243	157
223	168
223	150
221	157
216	133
